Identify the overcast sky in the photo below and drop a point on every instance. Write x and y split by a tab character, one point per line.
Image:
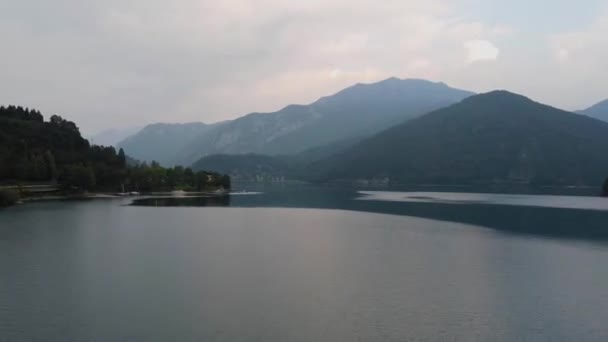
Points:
116	63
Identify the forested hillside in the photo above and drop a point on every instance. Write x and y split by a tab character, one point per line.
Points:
498	137
35	151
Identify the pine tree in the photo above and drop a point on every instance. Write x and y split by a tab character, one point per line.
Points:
122	158
51	167
90	177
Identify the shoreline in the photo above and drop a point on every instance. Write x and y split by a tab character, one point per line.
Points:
112	195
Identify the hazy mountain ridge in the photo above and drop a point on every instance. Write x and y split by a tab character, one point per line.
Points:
493	137
114	136
598	111
259	167
357	111
360	110
162	141
249	167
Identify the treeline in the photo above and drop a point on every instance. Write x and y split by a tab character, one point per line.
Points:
20	113
153	177
35	151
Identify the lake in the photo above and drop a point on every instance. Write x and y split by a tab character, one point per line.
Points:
307	264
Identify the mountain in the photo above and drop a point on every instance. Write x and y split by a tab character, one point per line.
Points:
262	168
250	167
598	111
359	111
112	137
496	137
161	142
320	152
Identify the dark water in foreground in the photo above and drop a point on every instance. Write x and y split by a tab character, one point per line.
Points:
306	264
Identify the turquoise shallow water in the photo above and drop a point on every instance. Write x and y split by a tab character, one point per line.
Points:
305	265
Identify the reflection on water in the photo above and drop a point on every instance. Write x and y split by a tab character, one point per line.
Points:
552	201
572	217
185	201
271	267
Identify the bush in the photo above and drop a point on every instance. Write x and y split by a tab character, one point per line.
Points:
8	197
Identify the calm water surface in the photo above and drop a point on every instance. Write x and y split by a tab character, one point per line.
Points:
306	265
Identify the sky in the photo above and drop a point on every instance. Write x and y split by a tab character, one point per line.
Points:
124	63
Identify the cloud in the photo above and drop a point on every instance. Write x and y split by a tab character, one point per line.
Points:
562	54
587	45
108	63
480	50
335	73
580	58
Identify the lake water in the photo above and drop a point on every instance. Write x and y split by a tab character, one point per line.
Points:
307	264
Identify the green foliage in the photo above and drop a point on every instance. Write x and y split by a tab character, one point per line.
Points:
8	197
497	137
32	149
122	158
51	167
250	167
35	151
153	177
78	177
20	113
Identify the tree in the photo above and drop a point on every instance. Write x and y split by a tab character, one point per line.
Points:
189	178
49	160
122	159
79	176
37	169
4	168
8	197
89	177
201	180
225	182
34	150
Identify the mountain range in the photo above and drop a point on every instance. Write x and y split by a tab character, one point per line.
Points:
395	132
353	113
498	137
390	132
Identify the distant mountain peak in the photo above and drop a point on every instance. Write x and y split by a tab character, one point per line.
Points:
598	111
397	87
411	81
600	106
500	97
504	94
496	137
357	111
